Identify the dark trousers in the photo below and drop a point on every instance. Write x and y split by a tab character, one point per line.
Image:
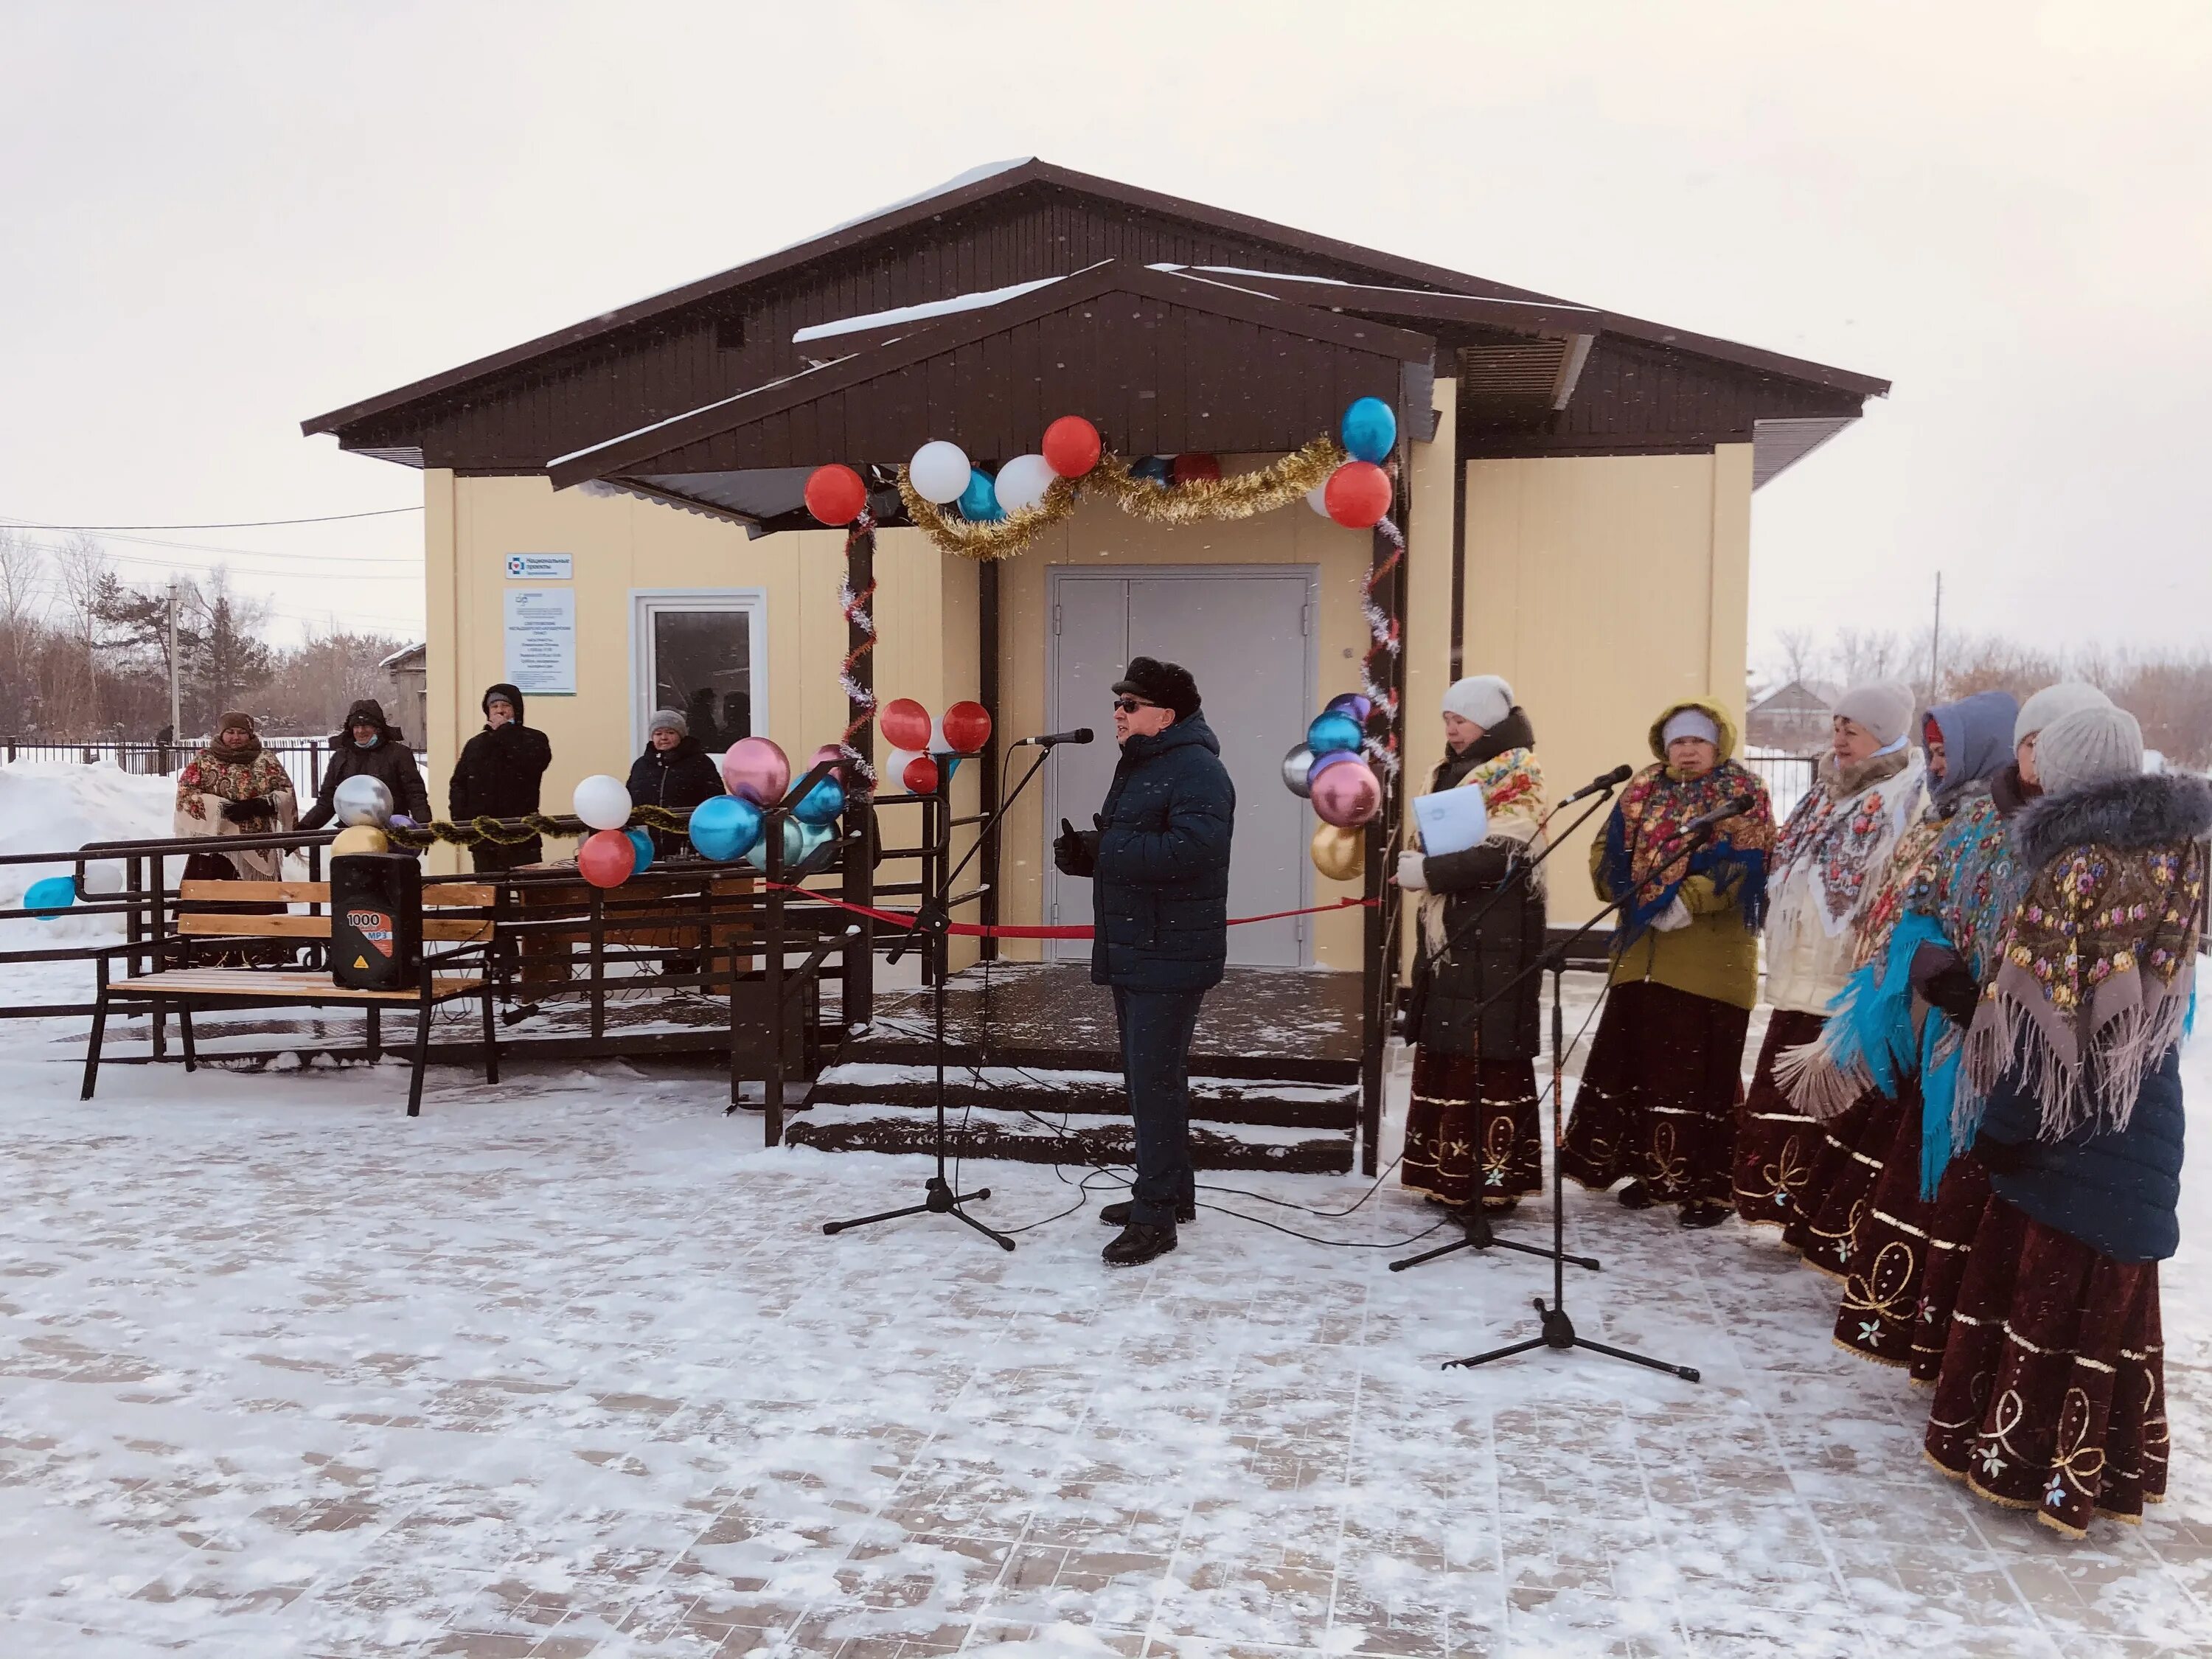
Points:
490	857
1156	1032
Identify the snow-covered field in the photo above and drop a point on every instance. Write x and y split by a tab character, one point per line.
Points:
568	1367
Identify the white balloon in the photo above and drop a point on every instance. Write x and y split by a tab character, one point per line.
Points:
1317	498
361	799
939	471
603	802
1022	481
104	876
937	743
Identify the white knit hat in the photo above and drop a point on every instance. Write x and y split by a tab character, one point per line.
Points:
1882	707
1690	723
2099	743
2054	702
1484	699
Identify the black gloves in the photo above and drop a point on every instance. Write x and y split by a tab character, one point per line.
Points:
1076	852
249	812
1944	984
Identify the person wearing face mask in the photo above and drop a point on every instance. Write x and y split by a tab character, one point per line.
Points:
1159	863
1659	1094
1829	861
370	746
498	776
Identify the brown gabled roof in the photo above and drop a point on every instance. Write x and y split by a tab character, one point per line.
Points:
1032	173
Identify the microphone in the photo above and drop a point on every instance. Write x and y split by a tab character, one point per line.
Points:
1618	776
1728	809
1053	739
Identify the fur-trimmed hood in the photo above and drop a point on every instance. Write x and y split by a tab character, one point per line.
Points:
2154	809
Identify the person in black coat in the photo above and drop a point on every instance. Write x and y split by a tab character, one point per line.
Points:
673	772
370	746
498	775
1160	862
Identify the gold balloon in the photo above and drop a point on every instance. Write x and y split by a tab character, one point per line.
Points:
1340	854
360	838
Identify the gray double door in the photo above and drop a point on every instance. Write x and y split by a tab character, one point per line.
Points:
1246	632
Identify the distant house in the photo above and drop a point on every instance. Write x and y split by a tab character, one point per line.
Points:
1793	719
407	674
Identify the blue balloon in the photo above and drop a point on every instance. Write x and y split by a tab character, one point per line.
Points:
725	827
1160	469
979	502
643	842
798	840
1370	429
1333	731
48	898
821	804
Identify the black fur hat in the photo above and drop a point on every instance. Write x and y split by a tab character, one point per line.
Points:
1167	683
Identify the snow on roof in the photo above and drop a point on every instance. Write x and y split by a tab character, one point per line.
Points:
958	182
720	403
404	651
923	313
1378	288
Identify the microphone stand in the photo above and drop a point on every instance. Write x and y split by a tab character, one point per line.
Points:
932	927
1557	1330
1480	1236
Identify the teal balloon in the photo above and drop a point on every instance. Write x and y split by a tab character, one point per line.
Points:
725	827
798	840
1159	469
643	842
1370	429
821	804
1332	732
48	898
979	502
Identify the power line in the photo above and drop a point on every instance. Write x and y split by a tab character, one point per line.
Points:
235	524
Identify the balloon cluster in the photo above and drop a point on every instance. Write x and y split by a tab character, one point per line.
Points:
1327	769
363	805
1357	493
925	752
941	472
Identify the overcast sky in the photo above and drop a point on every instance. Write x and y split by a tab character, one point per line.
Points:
218	219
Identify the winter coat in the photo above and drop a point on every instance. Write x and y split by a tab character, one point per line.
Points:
498	772
1831	858
389	760
1470	961
209	783
677	780
2117	1191
1161	901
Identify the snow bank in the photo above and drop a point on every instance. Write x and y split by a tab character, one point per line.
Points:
58	806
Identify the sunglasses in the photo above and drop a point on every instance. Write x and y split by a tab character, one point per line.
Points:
1131	705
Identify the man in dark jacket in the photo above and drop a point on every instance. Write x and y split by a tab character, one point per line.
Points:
1160	861
673	772
370	746
497	776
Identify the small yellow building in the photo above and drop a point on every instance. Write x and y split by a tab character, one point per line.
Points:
614	517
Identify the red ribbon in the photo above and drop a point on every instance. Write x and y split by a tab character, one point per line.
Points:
976	930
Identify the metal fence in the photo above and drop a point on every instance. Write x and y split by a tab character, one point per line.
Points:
302	758
1786	778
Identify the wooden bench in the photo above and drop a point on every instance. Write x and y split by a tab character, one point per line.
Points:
189	987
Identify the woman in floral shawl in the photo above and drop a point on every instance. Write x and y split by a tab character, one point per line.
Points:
1830	859
235	787
1658	1096
1471	1130
2051	1391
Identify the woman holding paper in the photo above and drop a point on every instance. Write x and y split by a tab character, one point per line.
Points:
1471	1132
1684	854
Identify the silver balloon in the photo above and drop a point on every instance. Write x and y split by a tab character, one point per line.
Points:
1297	771
363	800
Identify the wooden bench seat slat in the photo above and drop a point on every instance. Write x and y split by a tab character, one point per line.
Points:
442	930
293	986
442	893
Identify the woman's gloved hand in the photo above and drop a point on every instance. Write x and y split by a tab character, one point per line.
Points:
1413	872
1677	914
248	811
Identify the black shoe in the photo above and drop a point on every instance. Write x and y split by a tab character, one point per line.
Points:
1119	1215
1634	1196
1136	1244
1501	1205
1702	1215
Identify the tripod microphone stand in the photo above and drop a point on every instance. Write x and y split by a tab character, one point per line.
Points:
1479	1235
932	927
1557	1330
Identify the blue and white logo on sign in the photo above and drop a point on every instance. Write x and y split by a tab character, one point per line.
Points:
540	567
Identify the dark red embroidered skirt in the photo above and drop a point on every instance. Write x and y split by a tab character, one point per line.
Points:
1908	1255
1659	1096
1776	1144
1844	1173
2052	1394
1472	1129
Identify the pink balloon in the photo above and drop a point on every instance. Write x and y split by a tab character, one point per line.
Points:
756	769
834	754
1346	796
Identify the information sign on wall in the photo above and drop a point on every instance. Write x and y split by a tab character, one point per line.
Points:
540	567
541	639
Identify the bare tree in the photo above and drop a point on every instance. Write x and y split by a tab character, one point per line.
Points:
83	572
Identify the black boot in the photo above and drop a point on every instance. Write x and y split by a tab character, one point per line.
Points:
1634	1196
1702	1215
1137	1243
1119	1215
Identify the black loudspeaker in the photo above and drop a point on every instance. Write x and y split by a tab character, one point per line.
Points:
376	921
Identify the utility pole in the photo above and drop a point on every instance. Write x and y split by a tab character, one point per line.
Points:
1936	645
176	713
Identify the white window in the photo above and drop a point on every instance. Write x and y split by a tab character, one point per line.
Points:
703	652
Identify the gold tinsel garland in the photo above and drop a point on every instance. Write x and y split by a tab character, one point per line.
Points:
1199	500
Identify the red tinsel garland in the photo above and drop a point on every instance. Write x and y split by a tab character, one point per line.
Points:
1384	639
862	699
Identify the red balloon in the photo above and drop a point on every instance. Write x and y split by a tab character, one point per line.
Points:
835	494
967	727
1072	446
607	858
1192	465
921	775
1357	495
905	724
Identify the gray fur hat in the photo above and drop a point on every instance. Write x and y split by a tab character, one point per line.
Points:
2099	743
669	720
